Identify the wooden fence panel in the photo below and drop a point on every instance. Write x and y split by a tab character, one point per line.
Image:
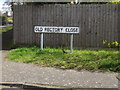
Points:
97	22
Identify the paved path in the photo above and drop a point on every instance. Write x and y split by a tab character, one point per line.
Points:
20	72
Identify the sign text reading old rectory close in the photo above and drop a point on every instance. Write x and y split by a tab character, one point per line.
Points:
54	29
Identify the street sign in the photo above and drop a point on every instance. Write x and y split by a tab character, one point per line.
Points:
53	29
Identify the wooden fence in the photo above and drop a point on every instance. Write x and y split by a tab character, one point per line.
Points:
97	22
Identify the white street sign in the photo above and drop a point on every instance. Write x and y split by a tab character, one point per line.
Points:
53	29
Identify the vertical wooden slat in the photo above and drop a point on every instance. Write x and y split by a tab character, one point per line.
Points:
21	34
118	26
80	24
99	25
51	24
18	24
94	29
88	35
25	23
112	21
20	21
45	40
15	16
38	35
75	24
103	27
33	21
54	37
106	23
118	22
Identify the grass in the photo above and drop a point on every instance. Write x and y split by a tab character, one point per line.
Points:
105	60
5	29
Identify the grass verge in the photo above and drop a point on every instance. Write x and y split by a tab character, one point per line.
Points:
106	60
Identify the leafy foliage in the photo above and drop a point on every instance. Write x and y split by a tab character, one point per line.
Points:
114	44
114	2
10	20
5	29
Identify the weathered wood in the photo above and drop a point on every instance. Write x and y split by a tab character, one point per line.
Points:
117	23
97	22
